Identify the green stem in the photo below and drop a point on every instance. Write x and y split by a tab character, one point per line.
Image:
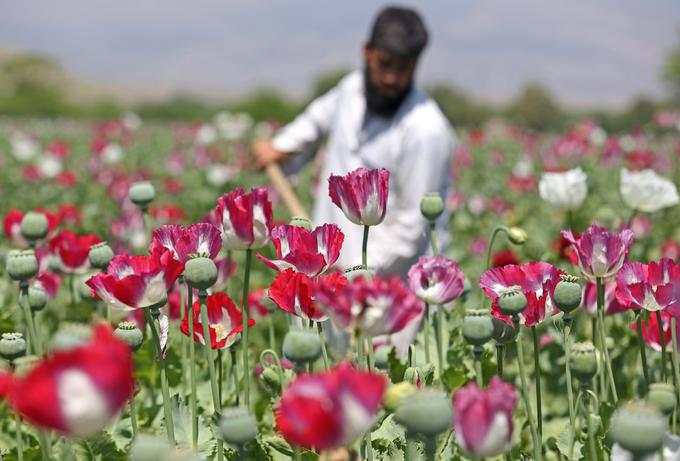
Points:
361	354
433	238
169	425
487	261
207	347
537	380
426	328
192	367
296	453
591	436
364	363
219	375
71	287
133	416
662	338
643	355
234	374
19	436
277	363
538	455
34	342
603	337
430	448
364	248
570	392
676	369
244	333
477	351
272	332
441	319
324	353
371	353
45	446
500	352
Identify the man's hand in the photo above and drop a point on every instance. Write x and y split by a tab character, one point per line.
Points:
265	153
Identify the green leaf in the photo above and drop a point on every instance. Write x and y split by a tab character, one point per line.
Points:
389	439
395	366
562	444
453	378
98	448
181	416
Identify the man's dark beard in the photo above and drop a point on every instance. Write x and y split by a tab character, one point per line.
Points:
381	105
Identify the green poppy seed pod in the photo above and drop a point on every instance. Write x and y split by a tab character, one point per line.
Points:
238	426
356	271
37	298
54	264
502	332
84	290
517	235
271	380
147	447
412	376
382	354
299	221
396	393
512	301
663	396
302	345
477	327
567	294
142	193
583	363
427	412
70	336
200	272
34	226
21	264
129	334
100	255
12	346
638	427
432	206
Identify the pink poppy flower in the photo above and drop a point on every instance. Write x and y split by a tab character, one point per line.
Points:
225	321
134	282
309	252
245	219
654	286
361	195
600	254
436	279
330	409
535	279
198	239
77	391
611	304
482	418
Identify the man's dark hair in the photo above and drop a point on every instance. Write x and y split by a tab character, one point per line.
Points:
400	31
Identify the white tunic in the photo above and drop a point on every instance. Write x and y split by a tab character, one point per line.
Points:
415	145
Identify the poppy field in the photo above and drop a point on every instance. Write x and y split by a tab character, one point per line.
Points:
159	302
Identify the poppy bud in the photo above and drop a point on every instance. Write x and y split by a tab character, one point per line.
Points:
12	346
396	393
34	226
37	299
271	380
663	396
299	221
432	206
517	235
412	376
22	264
356	271
100	255
200	272
583	363
638	427
238	426
142	193
427	412
129	334
477	327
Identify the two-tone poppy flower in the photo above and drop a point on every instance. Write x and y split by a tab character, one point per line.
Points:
436	279
245	219
361	195
185	242
600	254
652	287
294	292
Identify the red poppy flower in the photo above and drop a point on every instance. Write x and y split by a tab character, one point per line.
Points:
294	292
330	409
503	258
73	250
225	321
650	330
76	391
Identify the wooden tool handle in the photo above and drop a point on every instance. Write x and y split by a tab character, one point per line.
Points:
283	187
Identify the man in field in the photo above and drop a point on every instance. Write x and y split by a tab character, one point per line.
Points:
377	118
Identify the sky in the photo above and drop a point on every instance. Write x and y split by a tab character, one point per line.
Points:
588	52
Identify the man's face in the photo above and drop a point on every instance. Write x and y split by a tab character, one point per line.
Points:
389	79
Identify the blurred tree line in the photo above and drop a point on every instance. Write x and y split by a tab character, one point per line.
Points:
36	85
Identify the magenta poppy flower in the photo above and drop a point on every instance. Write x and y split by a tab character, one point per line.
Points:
245	219
72	250
611	304
330	409
309	252
198	239
134	282
650	330
654	286
436	279
361	195
375	306
77	391
482	418
600	254
225	321
294	292
535	279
